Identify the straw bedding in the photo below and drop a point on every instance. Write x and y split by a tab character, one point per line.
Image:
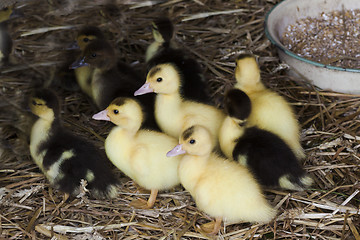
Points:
214	32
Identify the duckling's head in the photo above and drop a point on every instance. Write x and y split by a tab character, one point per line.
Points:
98	54
163	78
237	105
86	35
124	112
45	104
162	29
247	72
7	13
195	140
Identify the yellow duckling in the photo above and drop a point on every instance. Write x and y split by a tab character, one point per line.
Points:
140	154
223	189
268	157
173	113
270	111
5	40
163	32
64	158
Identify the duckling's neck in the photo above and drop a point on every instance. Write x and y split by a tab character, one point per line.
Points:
168	110
118	141
229	132
41	131
152	50
190	168
250	88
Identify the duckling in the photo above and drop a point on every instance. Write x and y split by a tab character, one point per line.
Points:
80	78
270	111
140	154
164	51
83	74
5	40
266	154
163	31
172	112
112	78
221	188
64	158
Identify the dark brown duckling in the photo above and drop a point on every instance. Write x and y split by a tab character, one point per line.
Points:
112	79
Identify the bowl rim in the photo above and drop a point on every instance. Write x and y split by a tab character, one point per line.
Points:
281	47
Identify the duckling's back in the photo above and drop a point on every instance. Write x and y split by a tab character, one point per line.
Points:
225	189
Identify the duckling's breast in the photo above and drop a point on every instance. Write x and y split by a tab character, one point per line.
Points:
39	134
229	132
83	77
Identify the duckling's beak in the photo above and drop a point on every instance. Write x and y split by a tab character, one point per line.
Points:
101	115
72	46
143	90
176	151
78	63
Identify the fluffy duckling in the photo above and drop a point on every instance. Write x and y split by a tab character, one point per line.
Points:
84	74
163	31
64	158
267	155
164	51
5	40
270	111
223	189
173	113
80	78
112	79
140	154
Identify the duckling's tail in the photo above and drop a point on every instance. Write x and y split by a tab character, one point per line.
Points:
104	186
295	183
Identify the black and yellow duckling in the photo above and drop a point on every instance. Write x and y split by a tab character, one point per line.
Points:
112	78
64	158
163	31
5	40
270	159
270	111
220	187
162	51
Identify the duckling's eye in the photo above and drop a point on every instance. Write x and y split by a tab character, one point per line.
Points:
93	55
85	39
34	102
159	79
116	111
192	141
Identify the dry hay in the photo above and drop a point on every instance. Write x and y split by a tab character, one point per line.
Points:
214	31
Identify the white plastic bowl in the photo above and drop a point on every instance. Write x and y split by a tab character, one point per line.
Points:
327	77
